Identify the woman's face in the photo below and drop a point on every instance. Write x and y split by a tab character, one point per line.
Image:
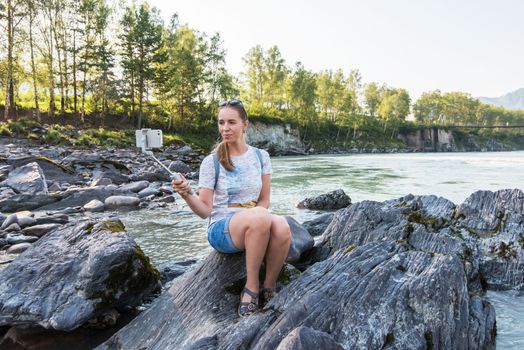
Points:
230	125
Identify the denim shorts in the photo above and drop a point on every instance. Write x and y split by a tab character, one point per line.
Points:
219	238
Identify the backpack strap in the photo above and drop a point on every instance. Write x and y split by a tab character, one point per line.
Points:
216	163
259	155
217	168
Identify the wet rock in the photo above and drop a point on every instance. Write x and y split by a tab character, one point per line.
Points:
302	338
102	181
14	227
40	230
54	187
94	206
53	219
27	179
65	211
135	186
148	192
115	202
15	239
26	220
329	201
318	225
73	275
166	199
179	166
9	220
494	221
171	270
27	202
301	240
7	192
18	248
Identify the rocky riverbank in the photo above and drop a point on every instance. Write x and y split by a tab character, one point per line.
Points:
405	273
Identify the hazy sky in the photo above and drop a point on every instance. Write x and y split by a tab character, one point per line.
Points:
474	46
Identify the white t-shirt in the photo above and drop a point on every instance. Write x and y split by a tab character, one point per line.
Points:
240	186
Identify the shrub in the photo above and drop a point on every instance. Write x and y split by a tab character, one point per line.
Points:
4	130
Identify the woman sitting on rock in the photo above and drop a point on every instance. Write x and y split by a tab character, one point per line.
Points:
234	189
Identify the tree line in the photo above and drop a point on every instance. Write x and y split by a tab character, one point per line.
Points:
98	58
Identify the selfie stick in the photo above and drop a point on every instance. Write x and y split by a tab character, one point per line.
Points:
147	138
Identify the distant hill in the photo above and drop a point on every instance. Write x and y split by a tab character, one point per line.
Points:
514	100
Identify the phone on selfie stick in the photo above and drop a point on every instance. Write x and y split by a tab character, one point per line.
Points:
149	138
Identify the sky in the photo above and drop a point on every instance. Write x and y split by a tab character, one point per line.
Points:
473	46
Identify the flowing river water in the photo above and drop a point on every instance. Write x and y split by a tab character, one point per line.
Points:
175	233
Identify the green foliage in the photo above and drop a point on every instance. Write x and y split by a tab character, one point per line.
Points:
4	130
60	134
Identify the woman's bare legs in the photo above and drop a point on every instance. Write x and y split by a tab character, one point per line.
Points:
277	249
250	230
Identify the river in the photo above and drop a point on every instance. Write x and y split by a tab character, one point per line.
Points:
175	233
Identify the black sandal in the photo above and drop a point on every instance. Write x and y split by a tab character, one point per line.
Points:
246	308
266	294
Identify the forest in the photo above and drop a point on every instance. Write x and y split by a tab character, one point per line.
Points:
95	59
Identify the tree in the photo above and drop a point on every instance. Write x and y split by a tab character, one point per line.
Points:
302	96
394	107
13	15
429	107
372	98
275	79
255	80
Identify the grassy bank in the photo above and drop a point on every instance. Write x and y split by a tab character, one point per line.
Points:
323	137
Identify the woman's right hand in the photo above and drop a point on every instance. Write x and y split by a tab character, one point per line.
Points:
181	186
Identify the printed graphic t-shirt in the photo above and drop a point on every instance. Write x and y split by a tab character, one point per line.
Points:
242	185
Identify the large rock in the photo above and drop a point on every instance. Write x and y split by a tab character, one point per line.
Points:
52	170
334	200
495	222
27	179
395	274
74	274
375	296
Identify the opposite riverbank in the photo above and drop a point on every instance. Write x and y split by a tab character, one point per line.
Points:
277	138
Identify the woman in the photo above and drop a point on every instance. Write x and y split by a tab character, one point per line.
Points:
234	189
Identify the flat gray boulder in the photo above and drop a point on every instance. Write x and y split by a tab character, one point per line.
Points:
116	202
27	179
73	275
329	201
